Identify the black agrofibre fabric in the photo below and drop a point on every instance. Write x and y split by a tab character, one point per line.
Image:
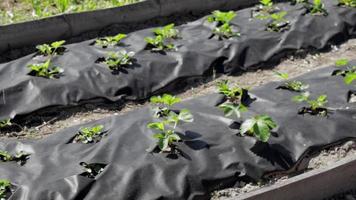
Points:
198	56
214	154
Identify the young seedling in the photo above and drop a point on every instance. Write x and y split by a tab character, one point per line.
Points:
264	10
316	106
236	99
317	8
89	134
167	138
158	44
5	189
259	126
45	70
296	86
279	23
110	40
349	73
163	104
51	49
92	170
117	60
162	39
349	3
167	32
350	77
5	123
21	157
223	28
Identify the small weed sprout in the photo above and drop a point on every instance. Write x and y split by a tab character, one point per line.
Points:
350	77
223	28
51	49
296	86
5	123
317	8
316	106
236	99
163	104
259	126
166	138
279	23
162	39
45	70
110	40
21	157
349	3
264	10
5	189
90	135
116	60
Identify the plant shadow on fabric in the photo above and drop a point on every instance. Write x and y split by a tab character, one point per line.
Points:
276	154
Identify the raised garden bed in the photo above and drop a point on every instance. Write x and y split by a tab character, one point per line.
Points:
172	149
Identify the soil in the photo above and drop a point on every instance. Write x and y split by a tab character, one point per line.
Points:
320	160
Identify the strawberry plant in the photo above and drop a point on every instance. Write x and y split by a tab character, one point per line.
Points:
296	86
279	23
167	32
349	73
20	157
264	9
92	170
316	8
223	28
349	3
5	189
110	40
45	70
116	60
89	134
167	137
259	126
237	99
163	104
162	39
158	44
51	49
316	106
350	77
5	123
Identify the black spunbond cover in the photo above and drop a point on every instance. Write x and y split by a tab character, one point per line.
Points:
197	56
214	155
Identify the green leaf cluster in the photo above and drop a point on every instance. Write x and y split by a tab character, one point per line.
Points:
167	137
5	187
163	36
163	104
317	8
234	95
223	19
45	70
349	3
5	123
293	85
50	49
110	40
90	134
259	126
314	104
116	60
21	157
279	23
349	73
